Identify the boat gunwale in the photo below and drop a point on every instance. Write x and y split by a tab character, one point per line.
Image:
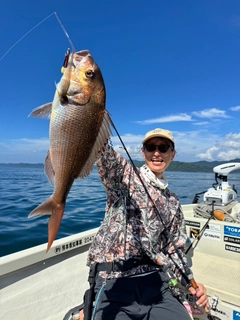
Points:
61	249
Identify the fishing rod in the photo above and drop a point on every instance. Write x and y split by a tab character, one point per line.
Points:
203	229
185	266
27	33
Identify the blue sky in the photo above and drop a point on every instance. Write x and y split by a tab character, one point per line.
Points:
171	64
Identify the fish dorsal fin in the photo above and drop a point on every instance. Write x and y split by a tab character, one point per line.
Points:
103	137
43	111
49	169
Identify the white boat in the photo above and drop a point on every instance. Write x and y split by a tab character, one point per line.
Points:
41	286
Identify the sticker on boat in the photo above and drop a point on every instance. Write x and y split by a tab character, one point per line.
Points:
214	228
220	314
194	233
192	223
212	235
68	246
236	315
232	239
232	248
232	231
74	244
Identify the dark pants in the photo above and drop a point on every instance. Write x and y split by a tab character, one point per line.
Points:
143	298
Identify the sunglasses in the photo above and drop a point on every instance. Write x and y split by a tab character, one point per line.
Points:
161	147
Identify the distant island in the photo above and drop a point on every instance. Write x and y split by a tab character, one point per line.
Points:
22	165
199	166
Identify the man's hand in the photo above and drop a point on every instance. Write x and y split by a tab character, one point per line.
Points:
81	315
201	294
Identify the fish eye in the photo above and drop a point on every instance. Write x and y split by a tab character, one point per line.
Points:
89	73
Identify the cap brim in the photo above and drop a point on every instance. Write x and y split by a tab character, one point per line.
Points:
157	136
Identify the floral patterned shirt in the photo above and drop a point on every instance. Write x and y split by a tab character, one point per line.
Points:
132	227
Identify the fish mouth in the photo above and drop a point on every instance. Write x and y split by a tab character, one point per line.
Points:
78	100
78	56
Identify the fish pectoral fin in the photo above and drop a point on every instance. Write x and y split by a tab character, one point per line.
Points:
102	138
49	169
43	111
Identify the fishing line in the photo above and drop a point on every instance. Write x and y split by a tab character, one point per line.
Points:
61	25
64	30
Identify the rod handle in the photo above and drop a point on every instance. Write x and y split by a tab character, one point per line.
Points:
195	286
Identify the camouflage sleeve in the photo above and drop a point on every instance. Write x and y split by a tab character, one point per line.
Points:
111	168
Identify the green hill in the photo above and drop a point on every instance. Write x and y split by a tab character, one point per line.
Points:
22	165
199	166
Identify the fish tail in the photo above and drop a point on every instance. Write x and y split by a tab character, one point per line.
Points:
56	210
54	223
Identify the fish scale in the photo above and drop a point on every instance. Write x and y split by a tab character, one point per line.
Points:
79	128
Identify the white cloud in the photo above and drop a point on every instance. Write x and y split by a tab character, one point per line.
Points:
237	108
190	145
200	123
233	136
226	148
206	113
128	138
230	144
209	154
172	118
24	150
211	113
133	144
134	151
229	155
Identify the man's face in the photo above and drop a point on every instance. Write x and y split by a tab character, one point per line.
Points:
156	160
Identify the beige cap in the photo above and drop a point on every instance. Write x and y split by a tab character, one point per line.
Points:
158	133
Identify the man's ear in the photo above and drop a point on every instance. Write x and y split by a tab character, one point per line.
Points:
173	155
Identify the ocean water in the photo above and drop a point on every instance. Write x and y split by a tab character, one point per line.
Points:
22	189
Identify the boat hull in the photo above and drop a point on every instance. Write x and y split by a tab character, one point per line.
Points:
39	285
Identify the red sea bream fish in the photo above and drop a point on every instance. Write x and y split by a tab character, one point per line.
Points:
79	128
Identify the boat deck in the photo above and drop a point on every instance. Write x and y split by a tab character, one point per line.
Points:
214	274
36	285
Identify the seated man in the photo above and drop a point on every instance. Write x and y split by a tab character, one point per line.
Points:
141	242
